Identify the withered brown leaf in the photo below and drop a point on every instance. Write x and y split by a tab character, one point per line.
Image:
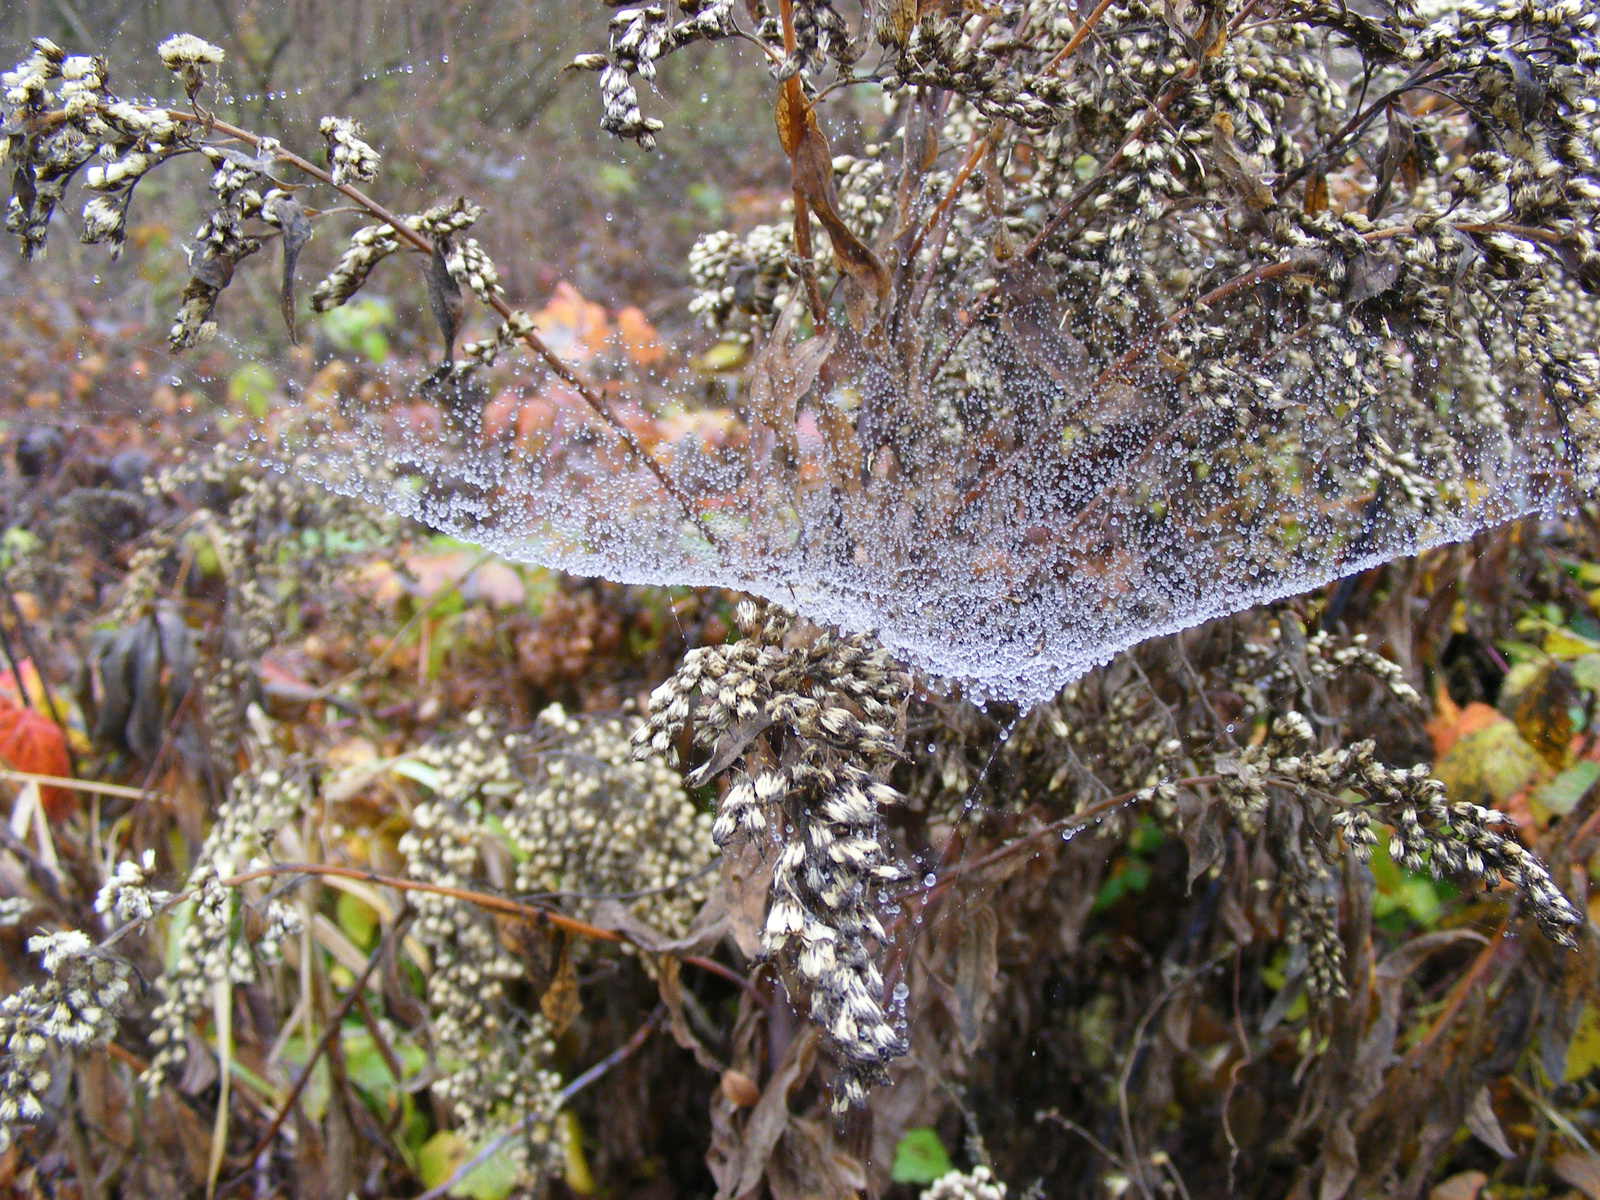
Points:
560	1003
444	297
284	211
811	166
977	964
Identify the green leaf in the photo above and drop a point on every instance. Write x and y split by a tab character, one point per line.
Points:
1586	670
417	772
251	389
357	919
445	1151
358	327
919	1157
1562	793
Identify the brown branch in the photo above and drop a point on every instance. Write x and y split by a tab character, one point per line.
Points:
943	216
485	900
335	1024
561	368
1077	38
481	899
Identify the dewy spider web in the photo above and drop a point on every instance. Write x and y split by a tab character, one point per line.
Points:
1155	313
1013	580
1197	386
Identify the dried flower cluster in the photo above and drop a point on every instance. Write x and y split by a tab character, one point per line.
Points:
498	1052
1310	796
213	951
976	1184
75	1008
60	113
349	158
600	823
639	38
810	718
128	896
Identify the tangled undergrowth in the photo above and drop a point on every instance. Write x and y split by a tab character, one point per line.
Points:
1181	923
345	860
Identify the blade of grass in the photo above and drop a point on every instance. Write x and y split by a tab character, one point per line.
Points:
222	1016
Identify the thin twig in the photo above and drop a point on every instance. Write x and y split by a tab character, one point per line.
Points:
481	899
1077	38
82	785
600	1068
335	1024
562	369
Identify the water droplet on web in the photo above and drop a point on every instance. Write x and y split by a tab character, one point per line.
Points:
901	991
174	381
705	98
929	879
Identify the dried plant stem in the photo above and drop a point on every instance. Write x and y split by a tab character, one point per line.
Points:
640	1036
942	216
481	899
1084	30
333	1030
81	785
559	366
1064	825
1458	993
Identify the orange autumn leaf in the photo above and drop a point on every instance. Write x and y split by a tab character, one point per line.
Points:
575	328
640	342
32	742
1451	722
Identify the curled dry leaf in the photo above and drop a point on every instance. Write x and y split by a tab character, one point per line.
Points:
811	163
283	210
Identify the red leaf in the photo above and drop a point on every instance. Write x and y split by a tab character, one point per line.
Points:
32	742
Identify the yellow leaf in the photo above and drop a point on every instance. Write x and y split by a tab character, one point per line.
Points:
1540	706
725	356
1489	766
1583	1051
1563	643
578	1176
